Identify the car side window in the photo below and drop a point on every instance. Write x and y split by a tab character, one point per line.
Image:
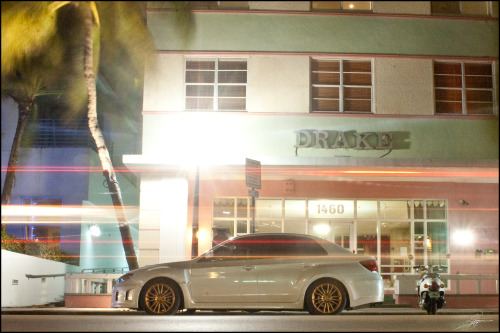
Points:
243	248
294	246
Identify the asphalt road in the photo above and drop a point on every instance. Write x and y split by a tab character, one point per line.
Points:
258	322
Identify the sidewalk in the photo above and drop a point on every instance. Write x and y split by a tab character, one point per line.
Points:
111	311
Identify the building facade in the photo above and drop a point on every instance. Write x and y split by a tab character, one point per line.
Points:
375	126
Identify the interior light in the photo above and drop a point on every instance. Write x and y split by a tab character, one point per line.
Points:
94	230
322	229
202	235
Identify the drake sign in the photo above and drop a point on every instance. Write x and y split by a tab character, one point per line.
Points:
340	139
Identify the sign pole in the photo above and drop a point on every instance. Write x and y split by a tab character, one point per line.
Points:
252	168
252	214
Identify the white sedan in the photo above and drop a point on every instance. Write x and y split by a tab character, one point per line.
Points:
253	272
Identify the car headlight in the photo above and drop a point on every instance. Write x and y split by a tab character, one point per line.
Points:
125	277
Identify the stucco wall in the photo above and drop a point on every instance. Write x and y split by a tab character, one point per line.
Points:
29	292
328	33
403	86
278	84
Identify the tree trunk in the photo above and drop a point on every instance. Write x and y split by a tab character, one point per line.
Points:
25	109
102	150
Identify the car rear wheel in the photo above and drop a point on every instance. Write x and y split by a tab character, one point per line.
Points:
160	297
326	297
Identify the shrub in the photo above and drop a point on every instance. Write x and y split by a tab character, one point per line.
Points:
31	248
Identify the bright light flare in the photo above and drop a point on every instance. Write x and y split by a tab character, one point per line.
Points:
322	229
17	213
463	237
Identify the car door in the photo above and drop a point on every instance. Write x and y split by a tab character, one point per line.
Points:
227	274
290	262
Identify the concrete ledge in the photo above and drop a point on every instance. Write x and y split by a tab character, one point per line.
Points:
455	301
87	300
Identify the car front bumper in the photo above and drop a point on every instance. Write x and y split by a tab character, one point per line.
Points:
125	296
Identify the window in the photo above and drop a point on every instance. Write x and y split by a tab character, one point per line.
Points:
464	88
45	228
193	5
230	215
474	8
342	5
216	84
55	133
293	246
341	85
248	247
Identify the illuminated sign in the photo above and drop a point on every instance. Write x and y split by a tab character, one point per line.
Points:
341	139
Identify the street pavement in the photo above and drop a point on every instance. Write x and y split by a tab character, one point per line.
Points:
391	310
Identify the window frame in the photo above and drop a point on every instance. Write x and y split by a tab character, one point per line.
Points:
342	85
487	4
464	89
216	84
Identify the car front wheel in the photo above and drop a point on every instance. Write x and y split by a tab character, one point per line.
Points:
326	297
160	297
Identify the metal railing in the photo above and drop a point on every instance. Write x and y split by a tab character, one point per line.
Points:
95	284
53	133
121	270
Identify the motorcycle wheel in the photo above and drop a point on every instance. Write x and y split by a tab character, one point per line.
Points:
432	308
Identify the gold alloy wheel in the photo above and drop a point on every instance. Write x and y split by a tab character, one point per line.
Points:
160	298
326	298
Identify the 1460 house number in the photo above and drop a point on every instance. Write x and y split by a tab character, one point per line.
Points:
331	209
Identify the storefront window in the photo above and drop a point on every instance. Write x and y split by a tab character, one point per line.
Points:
394	249
367	238
437	235
436	209
320	229
394	209
242	207
268	208
419	209
224	207
223	227
366	209
268	226
295	226
295	208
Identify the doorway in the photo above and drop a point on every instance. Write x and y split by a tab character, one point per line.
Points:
339	233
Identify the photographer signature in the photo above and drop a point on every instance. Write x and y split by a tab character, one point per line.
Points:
472	322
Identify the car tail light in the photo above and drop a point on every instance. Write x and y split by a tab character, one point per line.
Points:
370	265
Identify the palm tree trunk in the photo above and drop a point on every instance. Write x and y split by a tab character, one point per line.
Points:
102	150
25	109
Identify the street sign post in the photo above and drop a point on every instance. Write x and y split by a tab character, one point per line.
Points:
252	169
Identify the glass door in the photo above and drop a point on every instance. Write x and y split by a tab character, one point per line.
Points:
338	232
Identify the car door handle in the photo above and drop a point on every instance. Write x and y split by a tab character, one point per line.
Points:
248	268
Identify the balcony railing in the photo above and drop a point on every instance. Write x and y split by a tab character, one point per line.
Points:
54	133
